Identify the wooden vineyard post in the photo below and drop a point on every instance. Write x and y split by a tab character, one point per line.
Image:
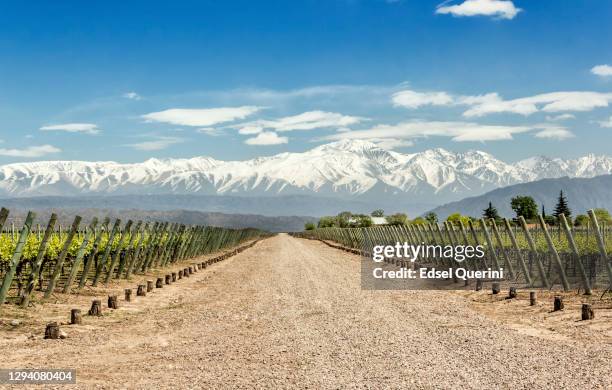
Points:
159	283
534	250
574	248
501	246
553	251
80	254
134	258
96	308
149	285
495	288
12	266
75	317
42	250
128	294
93	253
518	252
174	277
107	251
490	243
601	245
558	303
587	312
141	291
62	256
130	250
533	298
113	303
476	241
115	257
168	280
52	331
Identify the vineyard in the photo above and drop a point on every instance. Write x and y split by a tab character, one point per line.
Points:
535	255
56	259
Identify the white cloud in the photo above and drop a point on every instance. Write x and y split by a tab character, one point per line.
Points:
607	123
132	95
309	120
492	103
413	99
30	151
158	143
503	9
558	133
266	138
200	117
211	131
85	128
562	117
548	102
602	70
391	143
457	131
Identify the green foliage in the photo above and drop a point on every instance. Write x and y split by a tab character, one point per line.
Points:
378	213
603	216
419	221
326	222
457	218
361	220
525	206
431	217
309	226
397	219
491	212
562	207
581	220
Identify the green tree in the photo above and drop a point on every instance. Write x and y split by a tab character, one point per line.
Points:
581	220
419	221
309	226
602	215
397	219
490	212
525	206
327	222
431	217
456	218
562	207
378	213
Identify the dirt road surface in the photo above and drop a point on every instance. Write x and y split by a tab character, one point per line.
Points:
289	313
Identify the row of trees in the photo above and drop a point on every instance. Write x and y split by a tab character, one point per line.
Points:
522	205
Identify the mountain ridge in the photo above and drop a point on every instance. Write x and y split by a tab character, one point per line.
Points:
348	169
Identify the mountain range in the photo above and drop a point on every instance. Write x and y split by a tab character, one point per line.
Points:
581	194
354	171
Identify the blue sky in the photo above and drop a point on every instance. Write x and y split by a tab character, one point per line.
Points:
127	81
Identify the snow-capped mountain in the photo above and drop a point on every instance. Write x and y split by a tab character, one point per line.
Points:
350	168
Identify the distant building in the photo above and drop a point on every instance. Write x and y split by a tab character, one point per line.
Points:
379	220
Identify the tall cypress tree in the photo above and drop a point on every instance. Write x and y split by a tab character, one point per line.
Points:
490	212
562	207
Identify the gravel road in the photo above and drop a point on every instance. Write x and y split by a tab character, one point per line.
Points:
289	313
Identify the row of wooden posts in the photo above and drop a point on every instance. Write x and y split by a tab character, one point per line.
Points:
158	245
52	330
363	239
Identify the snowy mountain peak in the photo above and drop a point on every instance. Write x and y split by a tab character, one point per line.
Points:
347	168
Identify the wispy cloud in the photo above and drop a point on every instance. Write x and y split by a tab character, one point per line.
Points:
201	117
158	143
211	131
414	99
602	70
309	120
85	128
456	131
267	138
607	123
559	133
503	9
132	95
558	118
30	151
493	103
